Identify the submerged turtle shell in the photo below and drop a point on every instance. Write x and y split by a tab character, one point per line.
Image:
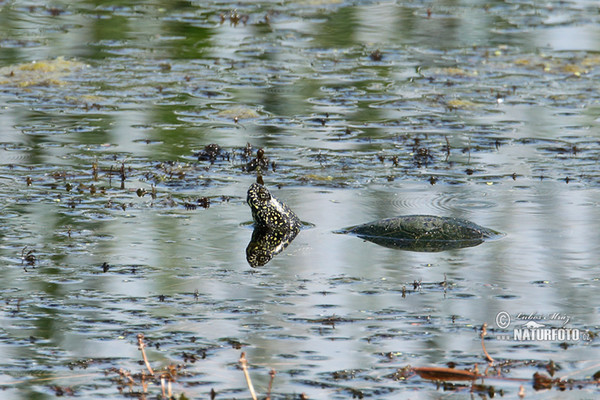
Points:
269	212
422	232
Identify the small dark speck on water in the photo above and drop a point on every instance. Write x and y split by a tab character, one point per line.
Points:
376	55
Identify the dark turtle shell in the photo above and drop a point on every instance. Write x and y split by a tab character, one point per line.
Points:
422	233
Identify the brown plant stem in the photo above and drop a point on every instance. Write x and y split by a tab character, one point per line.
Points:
140	338
272	374
483	333
244	364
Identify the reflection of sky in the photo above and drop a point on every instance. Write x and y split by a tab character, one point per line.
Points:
570	38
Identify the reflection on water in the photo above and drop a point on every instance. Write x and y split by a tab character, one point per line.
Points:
111	225
422	245
266	244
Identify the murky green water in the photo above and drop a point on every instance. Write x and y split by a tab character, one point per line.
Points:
488	112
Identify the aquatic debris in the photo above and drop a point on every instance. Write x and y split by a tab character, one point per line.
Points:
166	376
203	202
88	101
209	153
423	233
376	55
555	65
62	390
39	73
483	334
140	338
422	156
238	113
244	365
28	257
455	104
454	71
260	162
234	18
314	177
445	374
540	381
247	150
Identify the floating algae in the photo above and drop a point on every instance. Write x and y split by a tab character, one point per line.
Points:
39	73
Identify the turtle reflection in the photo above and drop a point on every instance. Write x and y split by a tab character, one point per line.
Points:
266	243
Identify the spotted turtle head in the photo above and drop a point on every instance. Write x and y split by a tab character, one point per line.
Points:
269	212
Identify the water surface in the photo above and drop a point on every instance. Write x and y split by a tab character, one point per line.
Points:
366	111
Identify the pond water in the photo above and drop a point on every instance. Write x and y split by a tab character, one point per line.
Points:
115	220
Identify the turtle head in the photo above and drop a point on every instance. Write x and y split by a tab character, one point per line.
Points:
258	197
269	212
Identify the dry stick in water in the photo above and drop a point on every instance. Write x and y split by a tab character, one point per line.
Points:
162	385
272	374
244	364
483	333
447	148
140	338
521	391
144	383
469	160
